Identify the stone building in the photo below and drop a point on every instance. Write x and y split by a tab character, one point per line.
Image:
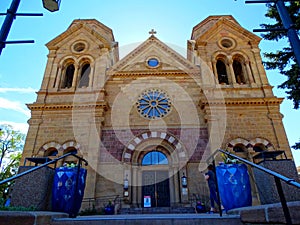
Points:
154	116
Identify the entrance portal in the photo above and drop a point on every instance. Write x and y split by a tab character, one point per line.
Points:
156	185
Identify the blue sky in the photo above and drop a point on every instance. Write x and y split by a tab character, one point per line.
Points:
22	66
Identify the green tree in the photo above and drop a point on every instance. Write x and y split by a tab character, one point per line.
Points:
284	59
11	146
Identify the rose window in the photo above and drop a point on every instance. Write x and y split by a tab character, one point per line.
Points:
153	104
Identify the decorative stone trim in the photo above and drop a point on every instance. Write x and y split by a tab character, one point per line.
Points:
71	144
52	144
163	136
66	107
260	141
271	101
248	144
60	148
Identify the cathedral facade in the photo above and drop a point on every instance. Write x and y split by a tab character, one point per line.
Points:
153	119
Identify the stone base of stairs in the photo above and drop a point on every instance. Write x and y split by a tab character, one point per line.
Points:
264	214
159	210
152	219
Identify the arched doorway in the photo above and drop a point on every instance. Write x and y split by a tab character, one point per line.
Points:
155	180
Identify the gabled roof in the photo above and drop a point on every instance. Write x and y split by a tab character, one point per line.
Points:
201	30
92	26
136	61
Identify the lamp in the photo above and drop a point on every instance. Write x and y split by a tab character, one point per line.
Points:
125	186
51	5
184	181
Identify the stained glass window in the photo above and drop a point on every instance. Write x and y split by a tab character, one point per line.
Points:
153	62
153	104
155	158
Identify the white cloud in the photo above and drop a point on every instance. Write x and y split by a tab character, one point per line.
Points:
12	105
23	127
19	90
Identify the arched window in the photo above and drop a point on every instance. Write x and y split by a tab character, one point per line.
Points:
85	75
155	158
70	150
222	73
239	148
238	72
68	78
70	159
259	148
51	152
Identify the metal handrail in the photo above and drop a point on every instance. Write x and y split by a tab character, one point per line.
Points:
44	165
278	177
288	180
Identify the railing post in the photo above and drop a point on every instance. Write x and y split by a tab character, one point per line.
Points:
217	188
77	183
283	201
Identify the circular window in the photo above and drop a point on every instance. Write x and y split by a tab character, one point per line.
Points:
153	104
153	62
227	43
79	47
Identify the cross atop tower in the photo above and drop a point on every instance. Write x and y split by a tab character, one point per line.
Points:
152	32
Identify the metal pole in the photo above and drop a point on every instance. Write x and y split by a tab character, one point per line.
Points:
283	201
8	22
291	32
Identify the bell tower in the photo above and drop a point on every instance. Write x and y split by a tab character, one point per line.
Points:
69	111
231	65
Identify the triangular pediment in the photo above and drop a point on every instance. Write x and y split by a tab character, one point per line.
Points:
215	26
82	29
169	61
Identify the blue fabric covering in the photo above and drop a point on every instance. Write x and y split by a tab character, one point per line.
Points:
234	185
64	196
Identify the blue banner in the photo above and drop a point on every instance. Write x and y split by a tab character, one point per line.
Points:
65	197
234	185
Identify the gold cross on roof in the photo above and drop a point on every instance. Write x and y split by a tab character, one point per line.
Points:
152	32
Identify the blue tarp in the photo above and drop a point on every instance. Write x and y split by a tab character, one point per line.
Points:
234	185
64	196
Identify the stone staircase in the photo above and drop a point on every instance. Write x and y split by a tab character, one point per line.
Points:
159	210
152	219
264	214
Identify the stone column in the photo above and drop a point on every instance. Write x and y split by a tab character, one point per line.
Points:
58	77
215	71
76	76
249	73
231	72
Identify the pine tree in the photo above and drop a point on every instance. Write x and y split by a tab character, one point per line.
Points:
284	59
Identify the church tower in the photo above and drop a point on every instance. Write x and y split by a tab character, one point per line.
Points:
72	95
230	56
153	119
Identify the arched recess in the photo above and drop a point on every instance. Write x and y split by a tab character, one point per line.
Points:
142	176
260	144
221	70
85	75
68	74
49	149
240	72
239	146
177	150
68	147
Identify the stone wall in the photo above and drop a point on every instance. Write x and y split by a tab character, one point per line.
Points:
266	184
33	189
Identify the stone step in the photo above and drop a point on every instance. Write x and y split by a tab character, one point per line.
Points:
151	219
158	210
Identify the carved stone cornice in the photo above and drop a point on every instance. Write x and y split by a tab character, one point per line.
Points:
99	105
153	73
247	101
